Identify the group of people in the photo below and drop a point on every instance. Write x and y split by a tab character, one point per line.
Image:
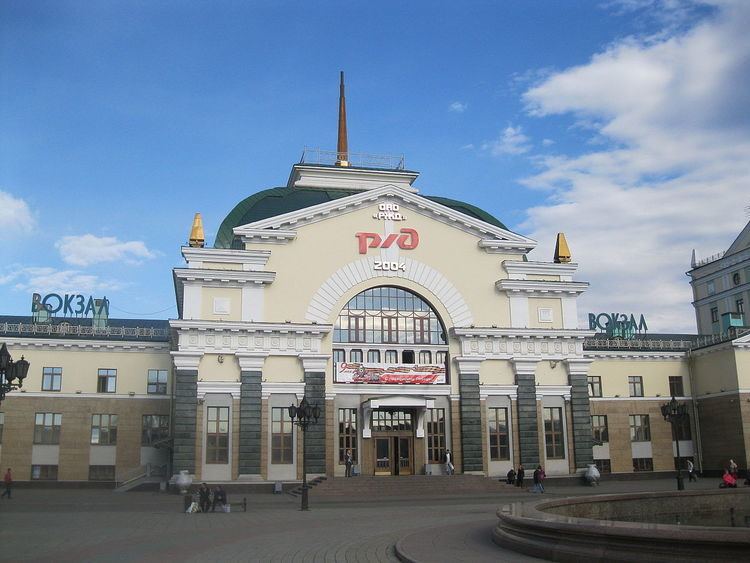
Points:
516	478
208	498
731	475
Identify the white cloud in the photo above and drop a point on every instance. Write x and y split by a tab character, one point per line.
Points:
15	215
458	107
672	175
469	147
548	142
88	249
49	280
511	141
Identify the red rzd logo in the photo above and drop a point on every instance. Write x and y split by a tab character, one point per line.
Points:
408	239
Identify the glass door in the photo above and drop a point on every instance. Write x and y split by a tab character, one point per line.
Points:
383	456
404	456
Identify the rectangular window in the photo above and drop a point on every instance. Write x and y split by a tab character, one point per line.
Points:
595	386
217	435
355	356
422	330
682	430
553	433
635	384
603	465
47	428
281	436
101	472
339	356
599	430
104	429
155	427
157	382
391	357
347	434
640	429
714	314
441	358
643	464
497	426
425	357
545	315
44	472
435	419
386	421
51	379
710	288
739	306
390	329
675	386
373	356
106	381
356	328
2	424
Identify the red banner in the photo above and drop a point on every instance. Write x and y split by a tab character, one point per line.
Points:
419	374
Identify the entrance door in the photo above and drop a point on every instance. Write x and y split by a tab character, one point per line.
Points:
383	456
404	455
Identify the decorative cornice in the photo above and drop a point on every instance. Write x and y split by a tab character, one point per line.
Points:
659	399
241	326
269	388
221	387
518	270
553	391
86	345
265	236
525	366
314	362
468	365
539	288
25	393
578	366
522	333
227	256
491	390
722	393
251	361
633	355
497	246
350	178
186	360
222	278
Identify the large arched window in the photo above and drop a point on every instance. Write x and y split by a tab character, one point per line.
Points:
388	315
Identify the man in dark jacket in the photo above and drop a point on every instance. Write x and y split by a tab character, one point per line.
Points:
519	476
204	497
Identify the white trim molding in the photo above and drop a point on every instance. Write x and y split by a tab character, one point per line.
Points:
422	403
223	278
316	363
380	389
86	345
468	364
525	366
540	288
269	388
81	395
632	355
553	391
494	390
251	361
186	360
518	270
265	236
250	259
219	387
578	366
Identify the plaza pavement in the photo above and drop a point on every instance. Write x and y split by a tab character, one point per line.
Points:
96	525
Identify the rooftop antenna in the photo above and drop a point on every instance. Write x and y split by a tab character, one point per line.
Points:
342	148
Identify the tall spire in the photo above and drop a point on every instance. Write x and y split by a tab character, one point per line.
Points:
342	148
197	238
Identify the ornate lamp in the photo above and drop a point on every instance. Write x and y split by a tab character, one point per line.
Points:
305	414
675	413
11	371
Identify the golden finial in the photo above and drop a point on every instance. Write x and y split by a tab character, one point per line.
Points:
562	252
342	148
197	238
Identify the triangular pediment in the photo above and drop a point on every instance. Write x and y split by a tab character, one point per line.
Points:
491	236
741	242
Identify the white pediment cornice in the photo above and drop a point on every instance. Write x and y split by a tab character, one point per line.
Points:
540	288
486	232
312	176
521	344
223	278
250	259
518	270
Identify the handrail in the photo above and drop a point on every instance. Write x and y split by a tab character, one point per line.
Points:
66	329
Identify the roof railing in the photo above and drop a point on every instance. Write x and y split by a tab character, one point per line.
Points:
636	344
65	329
708	260
311	155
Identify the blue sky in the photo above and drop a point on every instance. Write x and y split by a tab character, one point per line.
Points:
622	123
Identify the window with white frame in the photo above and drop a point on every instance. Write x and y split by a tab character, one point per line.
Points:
51	379
545	315
157	382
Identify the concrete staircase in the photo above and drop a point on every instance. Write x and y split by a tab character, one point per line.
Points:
368	487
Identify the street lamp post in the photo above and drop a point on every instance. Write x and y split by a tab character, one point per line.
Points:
305	414
675	413
11	371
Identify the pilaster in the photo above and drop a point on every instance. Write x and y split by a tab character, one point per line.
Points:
185	406
314	366
250	435
470	412
528	421
580	407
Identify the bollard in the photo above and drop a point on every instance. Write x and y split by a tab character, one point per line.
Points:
244	504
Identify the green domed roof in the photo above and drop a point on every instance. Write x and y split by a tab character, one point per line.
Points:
277	201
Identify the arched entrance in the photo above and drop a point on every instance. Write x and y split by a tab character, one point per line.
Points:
383	337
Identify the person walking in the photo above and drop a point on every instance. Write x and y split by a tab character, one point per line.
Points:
519	476
348	461
448	463
538	480
510	478
8	480
691	471
733	468
204	497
